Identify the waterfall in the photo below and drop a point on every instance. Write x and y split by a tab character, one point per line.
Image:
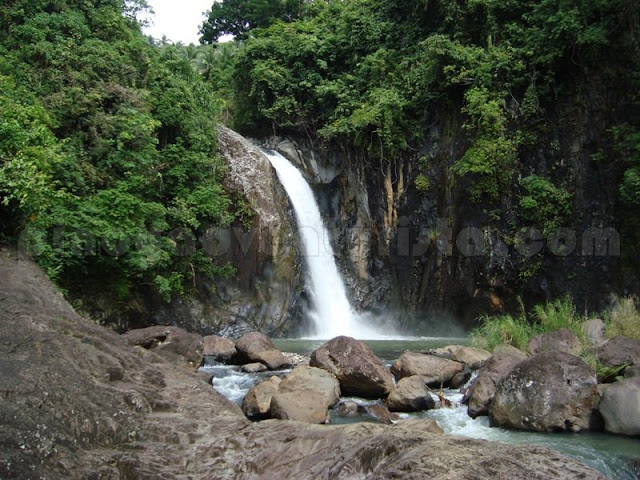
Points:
332	313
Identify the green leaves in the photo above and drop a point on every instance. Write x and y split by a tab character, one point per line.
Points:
109	153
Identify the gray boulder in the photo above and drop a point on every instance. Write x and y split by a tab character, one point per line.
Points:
594	331
410	395
325	384
549	392
484	387
302	406
632	371
561	340
257	402
256	347
360	372
619	351
435	370
168	340
620	407
219	349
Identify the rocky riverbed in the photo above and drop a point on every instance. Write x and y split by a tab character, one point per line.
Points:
79	401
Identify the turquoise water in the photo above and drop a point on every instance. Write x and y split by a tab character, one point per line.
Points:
616	456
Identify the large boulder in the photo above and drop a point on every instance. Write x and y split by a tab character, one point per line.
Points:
360	372
549	392
257	402
561	340
325	384
435	370
256	347
471	356
620	407
167	340
301	405
484	387
410	395
619	351
219	349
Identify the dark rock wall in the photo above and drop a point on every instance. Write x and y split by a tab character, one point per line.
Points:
438	257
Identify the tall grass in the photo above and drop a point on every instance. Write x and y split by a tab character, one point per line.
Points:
518	331
623	318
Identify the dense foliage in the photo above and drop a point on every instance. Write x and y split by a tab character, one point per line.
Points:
508	85
108	167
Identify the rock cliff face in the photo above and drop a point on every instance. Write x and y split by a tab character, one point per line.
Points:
435	252
79	402
267	293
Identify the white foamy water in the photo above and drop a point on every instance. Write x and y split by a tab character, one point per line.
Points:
332	313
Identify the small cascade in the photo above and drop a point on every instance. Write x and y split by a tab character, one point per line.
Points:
332	313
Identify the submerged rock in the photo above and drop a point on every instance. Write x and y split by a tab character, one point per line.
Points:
620	407
548	392
360	372
254	367
436	371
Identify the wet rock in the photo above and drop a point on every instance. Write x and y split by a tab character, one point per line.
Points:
347	409
436	371
256	347
360	372
380	414
594	331
168	340
549	392
620	407
460	379
619	351
301	405
254	367
410	395
257	402
219	349
561	340
470	356
483	389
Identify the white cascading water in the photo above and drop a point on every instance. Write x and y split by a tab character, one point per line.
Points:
332	314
